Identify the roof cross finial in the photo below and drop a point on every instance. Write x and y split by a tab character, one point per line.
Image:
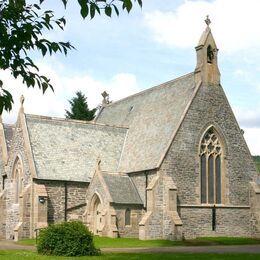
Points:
105	96
207	21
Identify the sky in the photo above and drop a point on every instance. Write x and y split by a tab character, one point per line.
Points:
127	54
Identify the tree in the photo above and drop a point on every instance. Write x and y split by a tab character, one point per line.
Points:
79	108
22	28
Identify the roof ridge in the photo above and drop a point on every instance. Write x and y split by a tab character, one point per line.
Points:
150	89
59	119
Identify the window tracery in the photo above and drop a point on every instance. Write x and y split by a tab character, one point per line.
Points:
210	166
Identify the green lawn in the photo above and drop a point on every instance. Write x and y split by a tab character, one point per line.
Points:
104	242
14	255
224	241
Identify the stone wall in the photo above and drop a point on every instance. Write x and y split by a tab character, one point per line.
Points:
139	179
255	208
161	220
230	221
2	215
12	208
182	163
209	107
23	229
97	192
2	172
76	199
131	230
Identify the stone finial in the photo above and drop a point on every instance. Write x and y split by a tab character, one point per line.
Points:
207	20
98	162
105	96
22	100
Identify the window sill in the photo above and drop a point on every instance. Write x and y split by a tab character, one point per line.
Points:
212	205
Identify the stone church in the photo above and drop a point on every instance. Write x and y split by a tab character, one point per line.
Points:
169	162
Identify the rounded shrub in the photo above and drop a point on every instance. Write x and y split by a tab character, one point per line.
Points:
66	239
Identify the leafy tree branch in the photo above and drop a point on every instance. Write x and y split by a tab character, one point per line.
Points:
22	28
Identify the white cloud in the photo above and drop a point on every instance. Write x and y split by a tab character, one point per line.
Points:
235	23
248	117
241	73
258	88
54	104
249	120
252	136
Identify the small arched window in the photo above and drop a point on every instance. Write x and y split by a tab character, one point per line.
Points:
17	179
128	217
210	168
3	181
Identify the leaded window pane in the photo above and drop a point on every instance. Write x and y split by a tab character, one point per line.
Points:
211	179
203	179
127	217
218	180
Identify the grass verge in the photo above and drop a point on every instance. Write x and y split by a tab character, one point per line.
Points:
106	242
14	255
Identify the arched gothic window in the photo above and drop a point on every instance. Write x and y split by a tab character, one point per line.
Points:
210	168
128	217
17	179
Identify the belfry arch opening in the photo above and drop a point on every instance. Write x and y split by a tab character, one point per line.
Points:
210	54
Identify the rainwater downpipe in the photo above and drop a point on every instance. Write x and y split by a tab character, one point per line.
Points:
65	200
146	185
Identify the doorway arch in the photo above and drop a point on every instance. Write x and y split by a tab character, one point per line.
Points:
96	211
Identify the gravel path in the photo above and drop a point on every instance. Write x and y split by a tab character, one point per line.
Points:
252	249
10	245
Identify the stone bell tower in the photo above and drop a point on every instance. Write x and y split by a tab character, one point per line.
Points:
207	58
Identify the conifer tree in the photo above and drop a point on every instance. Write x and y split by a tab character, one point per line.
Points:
79	108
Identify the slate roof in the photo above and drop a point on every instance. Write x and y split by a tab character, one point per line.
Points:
68	149
122	189
152	117
9	132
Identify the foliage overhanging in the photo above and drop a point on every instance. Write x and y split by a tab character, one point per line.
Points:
22	28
